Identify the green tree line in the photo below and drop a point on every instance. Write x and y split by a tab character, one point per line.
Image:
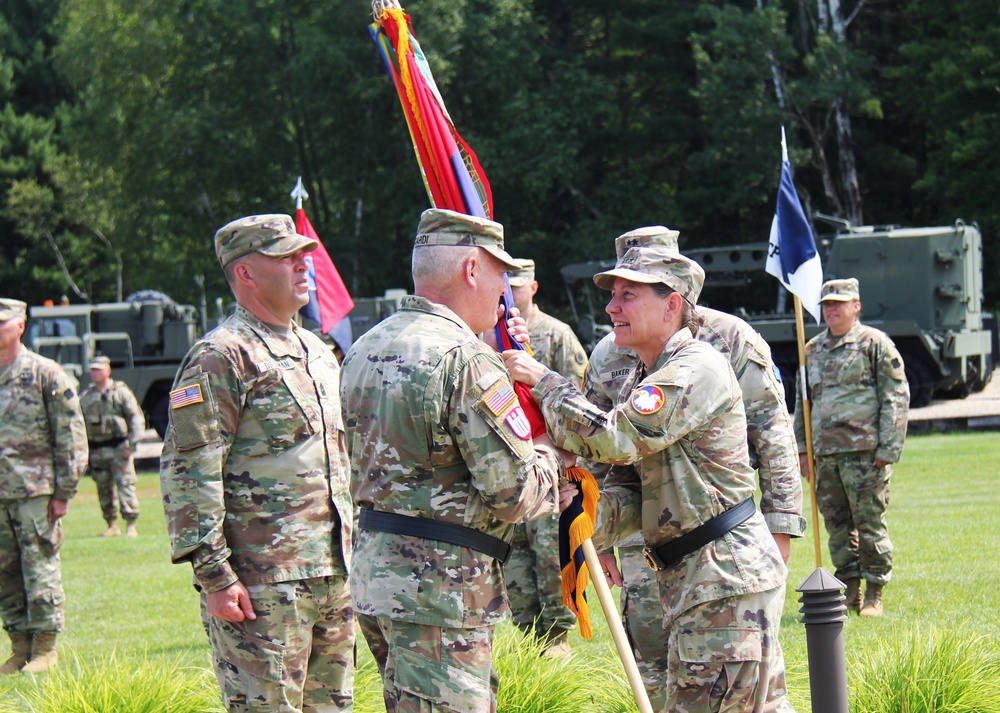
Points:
130	130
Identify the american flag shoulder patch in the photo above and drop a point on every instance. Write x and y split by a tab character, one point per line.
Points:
499	398
186	397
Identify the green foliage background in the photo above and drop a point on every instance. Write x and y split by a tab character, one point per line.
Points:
133	129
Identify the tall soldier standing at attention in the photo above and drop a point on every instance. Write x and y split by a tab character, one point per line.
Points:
442	466
114	425
532	575
43	453
254	481
860	402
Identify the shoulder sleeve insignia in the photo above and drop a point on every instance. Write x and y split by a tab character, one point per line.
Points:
186	396
777	372
518	423
647	399
499	398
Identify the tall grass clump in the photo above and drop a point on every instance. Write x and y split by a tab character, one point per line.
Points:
937	672
117	684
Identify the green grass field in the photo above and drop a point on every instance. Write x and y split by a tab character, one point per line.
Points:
132	617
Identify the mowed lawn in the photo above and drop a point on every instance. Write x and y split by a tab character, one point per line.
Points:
125	601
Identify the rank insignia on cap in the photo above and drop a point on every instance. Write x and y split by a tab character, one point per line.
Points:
186	397
518	423
647	399
499	397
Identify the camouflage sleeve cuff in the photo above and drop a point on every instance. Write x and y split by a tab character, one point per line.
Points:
785	523
889	455
61	494
217	578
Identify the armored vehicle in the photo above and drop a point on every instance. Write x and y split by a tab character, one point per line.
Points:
145	337
922	286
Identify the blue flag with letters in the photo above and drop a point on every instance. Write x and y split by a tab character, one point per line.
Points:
791	255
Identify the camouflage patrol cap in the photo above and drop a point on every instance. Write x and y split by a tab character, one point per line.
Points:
523	275
652	265
840	290
649	236
271	235
99	362
12	309
447	227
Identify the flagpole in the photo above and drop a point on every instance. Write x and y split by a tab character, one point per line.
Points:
615	625
800	338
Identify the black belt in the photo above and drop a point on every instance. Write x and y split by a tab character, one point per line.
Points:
659	557
105	444
435	530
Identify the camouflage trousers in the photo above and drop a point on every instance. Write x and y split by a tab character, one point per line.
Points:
31	591
534	579
427	669
721	655
853	496
115	479
297	655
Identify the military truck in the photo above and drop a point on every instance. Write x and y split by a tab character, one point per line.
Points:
145	337
922	286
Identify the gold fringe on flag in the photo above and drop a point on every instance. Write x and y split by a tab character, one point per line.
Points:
575	574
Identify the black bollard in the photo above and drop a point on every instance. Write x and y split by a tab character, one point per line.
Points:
823	613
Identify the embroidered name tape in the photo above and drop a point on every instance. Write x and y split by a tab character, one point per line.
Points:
270	365
187	396
647	399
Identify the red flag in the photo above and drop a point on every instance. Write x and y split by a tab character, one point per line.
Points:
330	301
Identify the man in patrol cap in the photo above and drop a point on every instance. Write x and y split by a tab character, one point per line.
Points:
254	482
860	401
43	453
679	429
114	425
769	436
532	574
442	466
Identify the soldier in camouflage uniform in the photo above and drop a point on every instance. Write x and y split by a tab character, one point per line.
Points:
254	482
114	425
442	466
769	435
860	399
532	574
678	439
43	453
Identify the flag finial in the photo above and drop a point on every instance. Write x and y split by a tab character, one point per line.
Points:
299	193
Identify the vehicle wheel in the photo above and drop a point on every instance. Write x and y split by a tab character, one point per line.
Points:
159	416
921	381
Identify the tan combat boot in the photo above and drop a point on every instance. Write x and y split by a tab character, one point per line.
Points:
113	530
873	600
557	647
852	595
130	530
20	645
43	654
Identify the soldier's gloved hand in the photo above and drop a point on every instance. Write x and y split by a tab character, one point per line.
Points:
231	604
611	572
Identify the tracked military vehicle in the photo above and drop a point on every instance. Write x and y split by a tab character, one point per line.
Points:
146	337
921	286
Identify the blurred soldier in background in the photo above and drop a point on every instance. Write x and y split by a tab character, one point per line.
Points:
532	574
43	453
860	402
114	426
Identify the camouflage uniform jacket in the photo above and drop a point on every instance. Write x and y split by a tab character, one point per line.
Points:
687	446
769	426
427	404
43	442
112	413
254	466
555	346
858	394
